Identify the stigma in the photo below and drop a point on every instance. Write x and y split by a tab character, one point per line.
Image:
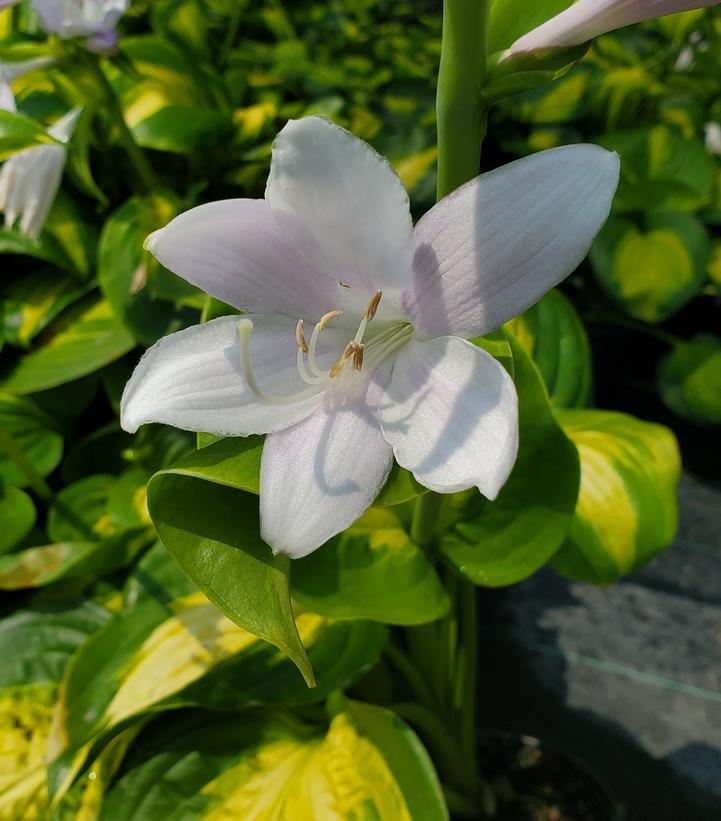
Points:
351	359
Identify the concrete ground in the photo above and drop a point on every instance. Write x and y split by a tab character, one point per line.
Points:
625	678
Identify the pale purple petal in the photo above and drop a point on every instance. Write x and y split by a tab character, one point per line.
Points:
342	203
451	416
493	247
587	19
104	42
235	251
193	379
318	477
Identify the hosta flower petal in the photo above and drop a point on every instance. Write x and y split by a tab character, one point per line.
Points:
193	379
342	203
74	19
587	19
29	180
491	249
7	98
451	416
235	251
318	477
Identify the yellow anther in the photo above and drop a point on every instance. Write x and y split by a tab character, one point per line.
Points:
358	357
373	305
350	351
326	318
300	337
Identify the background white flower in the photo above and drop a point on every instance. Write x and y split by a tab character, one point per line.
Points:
391	374
30	179
12	71
587	19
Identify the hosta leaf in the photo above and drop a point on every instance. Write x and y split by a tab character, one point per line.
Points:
502	542
258	765
40	566
78	510
554	336
85	339
33	433
31	302
126	271
689	379
211	528
510	19
372	571
18	132
167	650
17	515
627	507
35	646
660	170
655	272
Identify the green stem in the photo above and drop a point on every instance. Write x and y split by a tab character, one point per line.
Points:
425	514
460	110
404	666
135	153
16	455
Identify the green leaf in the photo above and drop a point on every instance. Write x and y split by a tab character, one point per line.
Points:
661	170
31	302
405	756
34	433
35	646
689	379
184	130
17	514
18	132
126	271
372	571
500	543
78	510
43	565
211	528
171	647
627	507
655	273
552	333
510	19
262	765
86	338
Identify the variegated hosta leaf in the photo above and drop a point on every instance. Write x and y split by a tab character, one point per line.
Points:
552	333
627	507
35	646
172	647
366	764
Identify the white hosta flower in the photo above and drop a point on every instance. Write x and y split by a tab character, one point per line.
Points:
587	19
713	137
30	179
381	365
94	19
12	71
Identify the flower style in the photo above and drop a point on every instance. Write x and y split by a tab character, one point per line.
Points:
587	19
30	179
93	19
386	368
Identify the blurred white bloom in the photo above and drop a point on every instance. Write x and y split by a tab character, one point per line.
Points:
713	138
587	19
11	71
386	368
30	179
94	19
685	59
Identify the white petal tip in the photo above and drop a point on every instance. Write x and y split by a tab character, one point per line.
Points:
151	241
